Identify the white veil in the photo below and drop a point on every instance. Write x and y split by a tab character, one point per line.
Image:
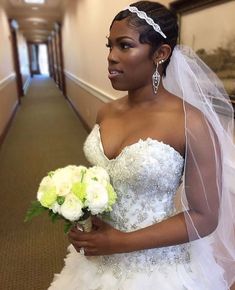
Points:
208	191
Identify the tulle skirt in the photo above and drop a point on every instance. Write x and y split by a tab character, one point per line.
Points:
200	273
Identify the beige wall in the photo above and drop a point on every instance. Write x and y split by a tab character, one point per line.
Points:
85	27
213	33
85	103
8	92
6	62
8	103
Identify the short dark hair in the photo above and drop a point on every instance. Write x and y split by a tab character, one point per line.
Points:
164	17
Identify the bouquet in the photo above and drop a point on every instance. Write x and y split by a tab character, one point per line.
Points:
74	193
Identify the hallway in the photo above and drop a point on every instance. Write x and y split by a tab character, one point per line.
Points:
49	101
45	134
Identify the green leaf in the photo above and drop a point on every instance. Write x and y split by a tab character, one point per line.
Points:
51	173
67	226
83	172
54	216
35	209
60	200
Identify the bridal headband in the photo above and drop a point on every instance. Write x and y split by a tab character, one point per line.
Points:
149	20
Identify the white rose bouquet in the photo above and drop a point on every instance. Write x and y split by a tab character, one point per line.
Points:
74	193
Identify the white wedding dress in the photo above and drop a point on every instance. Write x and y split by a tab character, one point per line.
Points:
145	176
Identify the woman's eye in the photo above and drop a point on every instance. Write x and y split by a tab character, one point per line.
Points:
122	45
125	45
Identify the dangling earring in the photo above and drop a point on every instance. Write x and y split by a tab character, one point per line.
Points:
156	77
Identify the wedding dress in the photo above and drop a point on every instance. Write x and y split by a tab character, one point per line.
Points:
146	176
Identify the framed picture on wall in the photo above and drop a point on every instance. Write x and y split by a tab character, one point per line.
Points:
208	26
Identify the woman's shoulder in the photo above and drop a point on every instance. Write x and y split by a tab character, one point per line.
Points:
198	125
185	113
109	109
182	107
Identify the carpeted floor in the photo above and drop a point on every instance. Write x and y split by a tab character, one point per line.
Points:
45	134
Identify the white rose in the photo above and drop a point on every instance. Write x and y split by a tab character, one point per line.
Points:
96	197
76	172
56	208
46	194
45	185
98	174
71	209
62	179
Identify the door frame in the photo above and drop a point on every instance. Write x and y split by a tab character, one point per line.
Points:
16	60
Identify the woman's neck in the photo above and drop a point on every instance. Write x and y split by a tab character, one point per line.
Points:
145	95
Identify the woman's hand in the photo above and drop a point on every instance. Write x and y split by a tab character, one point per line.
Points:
102	240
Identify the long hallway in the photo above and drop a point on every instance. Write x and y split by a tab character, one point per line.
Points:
45	134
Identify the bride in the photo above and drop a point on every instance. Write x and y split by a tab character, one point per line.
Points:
167	146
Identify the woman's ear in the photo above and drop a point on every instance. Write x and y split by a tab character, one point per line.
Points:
162	54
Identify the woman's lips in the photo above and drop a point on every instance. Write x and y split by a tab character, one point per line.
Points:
113	73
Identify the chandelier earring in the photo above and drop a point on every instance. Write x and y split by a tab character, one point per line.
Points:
156	77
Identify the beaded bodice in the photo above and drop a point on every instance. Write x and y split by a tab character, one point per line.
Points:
145	176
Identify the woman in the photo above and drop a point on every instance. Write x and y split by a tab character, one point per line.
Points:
149	141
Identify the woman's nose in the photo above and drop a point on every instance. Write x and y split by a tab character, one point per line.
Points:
112	57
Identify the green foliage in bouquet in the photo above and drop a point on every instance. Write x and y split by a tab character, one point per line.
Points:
35	210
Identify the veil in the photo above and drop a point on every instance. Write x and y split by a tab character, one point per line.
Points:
208	189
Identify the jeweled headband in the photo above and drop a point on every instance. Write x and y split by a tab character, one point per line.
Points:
149	20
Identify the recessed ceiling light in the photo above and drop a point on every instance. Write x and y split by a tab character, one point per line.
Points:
34	1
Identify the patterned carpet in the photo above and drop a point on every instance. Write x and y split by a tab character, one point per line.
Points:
45	134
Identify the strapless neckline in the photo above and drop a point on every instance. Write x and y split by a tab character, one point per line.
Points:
149	139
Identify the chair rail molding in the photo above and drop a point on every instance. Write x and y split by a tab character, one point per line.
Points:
88	87
4	82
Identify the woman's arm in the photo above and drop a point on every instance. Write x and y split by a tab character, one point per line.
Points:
202	189
106	240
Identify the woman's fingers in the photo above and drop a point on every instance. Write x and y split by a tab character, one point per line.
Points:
97	222
80	236
91	252
83	244
88	248
96	242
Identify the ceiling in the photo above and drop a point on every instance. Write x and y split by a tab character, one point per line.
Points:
35	21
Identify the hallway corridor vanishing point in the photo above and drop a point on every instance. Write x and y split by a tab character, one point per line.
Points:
45	134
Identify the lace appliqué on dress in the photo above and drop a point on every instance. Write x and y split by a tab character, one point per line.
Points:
145	176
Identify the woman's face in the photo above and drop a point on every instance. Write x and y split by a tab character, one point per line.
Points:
130	65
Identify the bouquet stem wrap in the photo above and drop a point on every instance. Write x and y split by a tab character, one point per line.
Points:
85	225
